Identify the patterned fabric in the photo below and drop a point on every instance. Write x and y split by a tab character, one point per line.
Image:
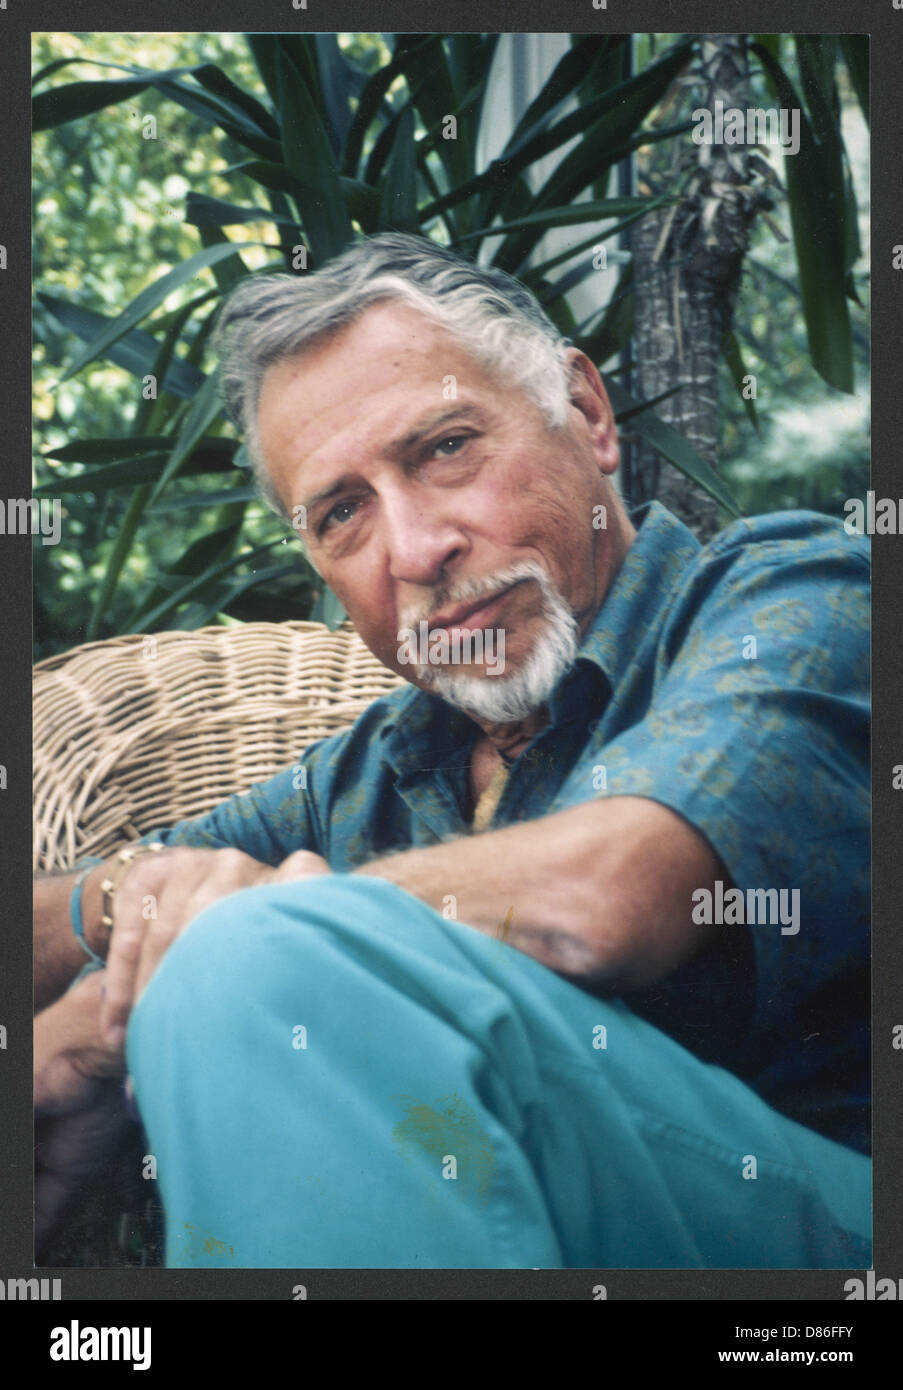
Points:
729	683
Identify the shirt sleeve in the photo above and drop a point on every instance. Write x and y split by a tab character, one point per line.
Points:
270	821
757	734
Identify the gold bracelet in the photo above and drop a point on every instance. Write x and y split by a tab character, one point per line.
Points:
124	860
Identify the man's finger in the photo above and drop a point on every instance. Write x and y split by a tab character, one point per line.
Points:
303	863
160	933
122	968
157	940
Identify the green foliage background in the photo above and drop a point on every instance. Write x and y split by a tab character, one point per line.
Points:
277	141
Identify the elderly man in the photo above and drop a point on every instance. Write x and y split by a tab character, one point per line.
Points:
557	958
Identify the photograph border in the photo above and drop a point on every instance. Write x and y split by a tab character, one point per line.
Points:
885	24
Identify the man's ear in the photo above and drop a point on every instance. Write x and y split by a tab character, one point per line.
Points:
588	395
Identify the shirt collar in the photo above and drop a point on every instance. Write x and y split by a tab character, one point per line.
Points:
648	577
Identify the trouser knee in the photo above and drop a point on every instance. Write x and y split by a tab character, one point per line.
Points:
260	948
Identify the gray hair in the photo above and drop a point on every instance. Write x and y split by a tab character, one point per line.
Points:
269	318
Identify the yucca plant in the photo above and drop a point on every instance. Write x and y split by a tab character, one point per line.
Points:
337	151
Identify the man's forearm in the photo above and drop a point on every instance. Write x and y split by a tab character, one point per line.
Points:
600	892
58	957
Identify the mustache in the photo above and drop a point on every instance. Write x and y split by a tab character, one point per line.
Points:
469	589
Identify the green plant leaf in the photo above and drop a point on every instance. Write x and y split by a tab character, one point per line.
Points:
43	73
139	499
339	84
363	203
772	42
61	104
131	473
215	547
541	270
262	605
236	587
497	173
730	347
149	298
220	84
301	52
195	585
568	73
201	210
150	410
623	416
855	50
227	274
383	145
592	210
195	501
361	199
816	55
328	610
434	96
134	472
673	446
408	60
269	173
307	152
818	236
620	113
263	50
611	117
218	113
214	453
399	200
852	248
136	351
200	415
615	330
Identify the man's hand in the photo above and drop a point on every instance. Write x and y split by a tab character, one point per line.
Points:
158	896
80	1110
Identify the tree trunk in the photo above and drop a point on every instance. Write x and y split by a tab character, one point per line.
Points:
687	265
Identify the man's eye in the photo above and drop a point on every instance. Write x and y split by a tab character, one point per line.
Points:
450	445
337	515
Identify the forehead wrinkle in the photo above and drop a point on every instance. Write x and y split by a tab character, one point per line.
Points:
432	420
394	450
389	335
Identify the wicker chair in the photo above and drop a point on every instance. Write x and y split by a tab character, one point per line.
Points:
137	733
134	734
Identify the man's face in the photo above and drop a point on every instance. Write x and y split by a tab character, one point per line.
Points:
427	481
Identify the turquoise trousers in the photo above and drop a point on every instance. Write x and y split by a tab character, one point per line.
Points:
331	1075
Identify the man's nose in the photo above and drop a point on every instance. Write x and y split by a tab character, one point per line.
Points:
420	539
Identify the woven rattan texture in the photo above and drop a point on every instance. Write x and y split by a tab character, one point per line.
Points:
137	733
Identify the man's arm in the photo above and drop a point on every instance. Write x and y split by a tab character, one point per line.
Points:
600	893
175	885
58	957
268	822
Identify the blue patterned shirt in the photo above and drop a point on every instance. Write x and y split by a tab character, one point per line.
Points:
728	682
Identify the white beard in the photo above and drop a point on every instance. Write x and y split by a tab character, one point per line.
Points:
503	699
